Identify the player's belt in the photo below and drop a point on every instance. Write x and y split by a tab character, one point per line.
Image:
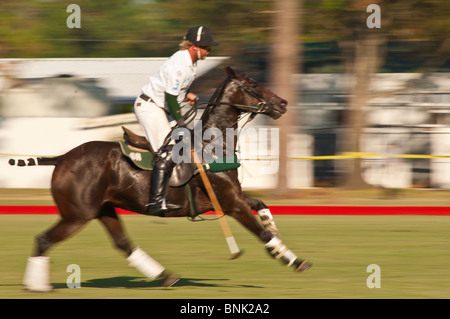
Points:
146	98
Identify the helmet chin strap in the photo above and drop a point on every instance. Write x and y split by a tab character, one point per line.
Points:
199	37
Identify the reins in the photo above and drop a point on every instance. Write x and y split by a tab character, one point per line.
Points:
187	118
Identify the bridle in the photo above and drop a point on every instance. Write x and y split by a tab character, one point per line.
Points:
262	107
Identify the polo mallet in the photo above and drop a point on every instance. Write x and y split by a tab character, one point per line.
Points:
232	245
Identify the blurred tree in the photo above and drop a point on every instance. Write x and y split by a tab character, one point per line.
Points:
285	61
20	28
363	52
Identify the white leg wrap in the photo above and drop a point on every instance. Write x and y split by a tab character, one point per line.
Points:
279	251
37	273
265	212
149	267
267	221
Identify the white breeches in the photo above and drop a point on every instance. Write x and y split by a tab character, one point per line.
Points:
153	121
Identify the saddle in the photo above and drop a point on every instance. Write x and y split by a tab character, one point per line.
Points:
137	141
140	152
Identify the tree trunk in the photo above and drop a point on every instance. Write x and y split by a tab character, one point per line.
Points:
284	63
362	64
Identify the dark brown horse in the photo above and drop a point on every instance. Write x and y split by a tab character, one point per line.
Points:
92	179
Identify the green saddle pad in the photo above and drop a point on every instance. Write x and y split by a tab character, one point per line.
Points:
144	160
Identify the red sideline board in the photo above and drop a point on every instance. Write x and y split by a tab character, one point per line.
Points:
282	210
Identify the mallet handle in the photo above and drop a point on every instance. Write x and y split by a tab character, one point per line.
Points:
217	208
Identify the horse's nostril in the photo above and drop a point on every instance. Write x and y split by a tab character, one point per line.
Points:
284	102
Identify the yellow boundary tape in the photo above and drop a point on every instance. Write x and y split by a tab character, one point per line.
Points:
350	155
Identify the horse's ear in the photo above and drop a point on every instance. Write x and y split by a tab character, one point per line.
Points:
231	72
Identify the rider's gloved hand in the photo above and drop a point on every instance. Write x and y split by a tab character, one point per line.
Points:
191	98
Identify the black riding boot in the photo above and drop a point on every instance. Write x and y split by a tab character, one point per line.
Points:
158	185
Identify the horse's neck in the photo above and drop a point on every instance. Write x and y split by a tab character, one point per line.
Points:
220	113
223	117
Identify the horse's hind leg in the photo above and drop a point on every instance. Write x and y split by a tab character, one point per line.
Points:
61	231
136	257
264	214
37	271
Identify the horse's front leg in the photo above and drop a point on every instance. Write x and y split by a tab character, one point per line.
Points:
242	212
264	214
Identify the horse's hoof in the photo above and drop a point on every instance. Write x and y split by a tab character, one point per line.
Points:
302	265
170	280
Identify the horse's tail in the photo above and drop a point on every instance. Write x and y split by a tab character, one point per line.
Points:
33	161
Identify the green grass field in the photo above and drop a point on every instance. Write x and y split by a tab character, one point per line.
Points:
413	253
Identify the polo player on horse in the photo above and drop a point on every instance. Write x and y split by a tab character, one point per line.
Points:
158	107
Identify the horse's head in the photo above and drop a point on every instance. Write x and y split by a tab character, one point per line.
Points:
262	99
